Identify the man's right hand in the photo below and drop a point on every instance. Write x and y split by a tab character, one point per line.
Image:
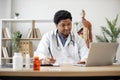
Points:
48	60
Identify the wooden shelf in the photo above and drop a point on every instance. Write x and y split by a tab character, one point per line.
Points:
6	58
11	58
26	20
5	41
22	39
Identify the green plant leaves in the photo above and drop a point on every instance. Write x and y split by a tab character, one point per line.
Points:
110	33
15	41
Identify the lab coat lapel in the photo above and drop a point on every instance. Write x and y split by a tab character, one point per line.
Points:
59	41
67	42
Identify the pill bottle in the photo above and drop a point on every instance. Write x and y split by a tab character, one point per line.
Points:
36	63
27	61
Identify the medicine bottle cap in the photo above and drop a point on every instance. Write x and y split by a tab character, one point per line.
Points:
36	57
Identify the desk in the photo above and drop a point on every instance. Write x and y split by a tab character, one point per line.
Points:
65	71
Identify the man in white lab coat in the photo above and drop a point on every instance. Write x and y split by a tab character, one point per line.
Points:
61	45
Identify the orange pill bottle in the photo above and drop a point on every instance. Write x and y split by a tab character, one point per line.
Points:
36	63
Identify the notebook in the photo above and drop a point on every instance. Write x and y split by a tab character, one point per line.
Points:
101	54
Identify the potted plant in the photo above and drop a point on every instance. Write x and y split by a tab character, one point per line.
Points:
16	15
110	33
17	57
15	41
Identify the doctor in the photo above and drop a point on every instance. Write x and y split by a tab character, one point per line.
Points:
61	45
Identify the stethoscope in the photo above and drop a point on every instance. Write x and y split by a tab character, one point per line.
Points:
71	41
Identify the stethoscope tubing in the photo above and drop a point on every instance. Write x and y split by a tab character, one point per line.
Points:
71	40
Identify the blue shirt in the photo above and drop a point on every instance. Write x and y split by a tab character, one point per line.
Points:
63	40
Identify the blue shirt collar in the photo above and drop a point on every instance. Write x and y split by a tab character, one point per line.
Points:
63	40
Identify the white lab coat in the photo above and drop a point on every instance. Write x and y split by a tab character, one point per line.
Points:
67	53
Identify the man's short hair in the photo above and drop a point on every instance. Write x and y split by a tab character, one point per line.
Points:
61	15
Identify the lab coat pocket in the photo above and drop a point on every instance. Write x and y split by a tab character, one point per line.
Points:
74	52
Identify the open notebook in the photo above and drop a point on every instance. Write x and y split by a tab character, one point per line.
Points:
101	54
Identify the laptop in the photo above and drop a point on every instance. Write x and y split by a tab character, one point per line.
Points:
101	54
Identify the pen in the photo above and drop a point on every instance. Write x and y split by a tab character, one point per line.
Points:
50	52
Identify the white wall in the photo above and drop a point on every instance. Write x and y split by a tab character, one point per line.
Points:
5	9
